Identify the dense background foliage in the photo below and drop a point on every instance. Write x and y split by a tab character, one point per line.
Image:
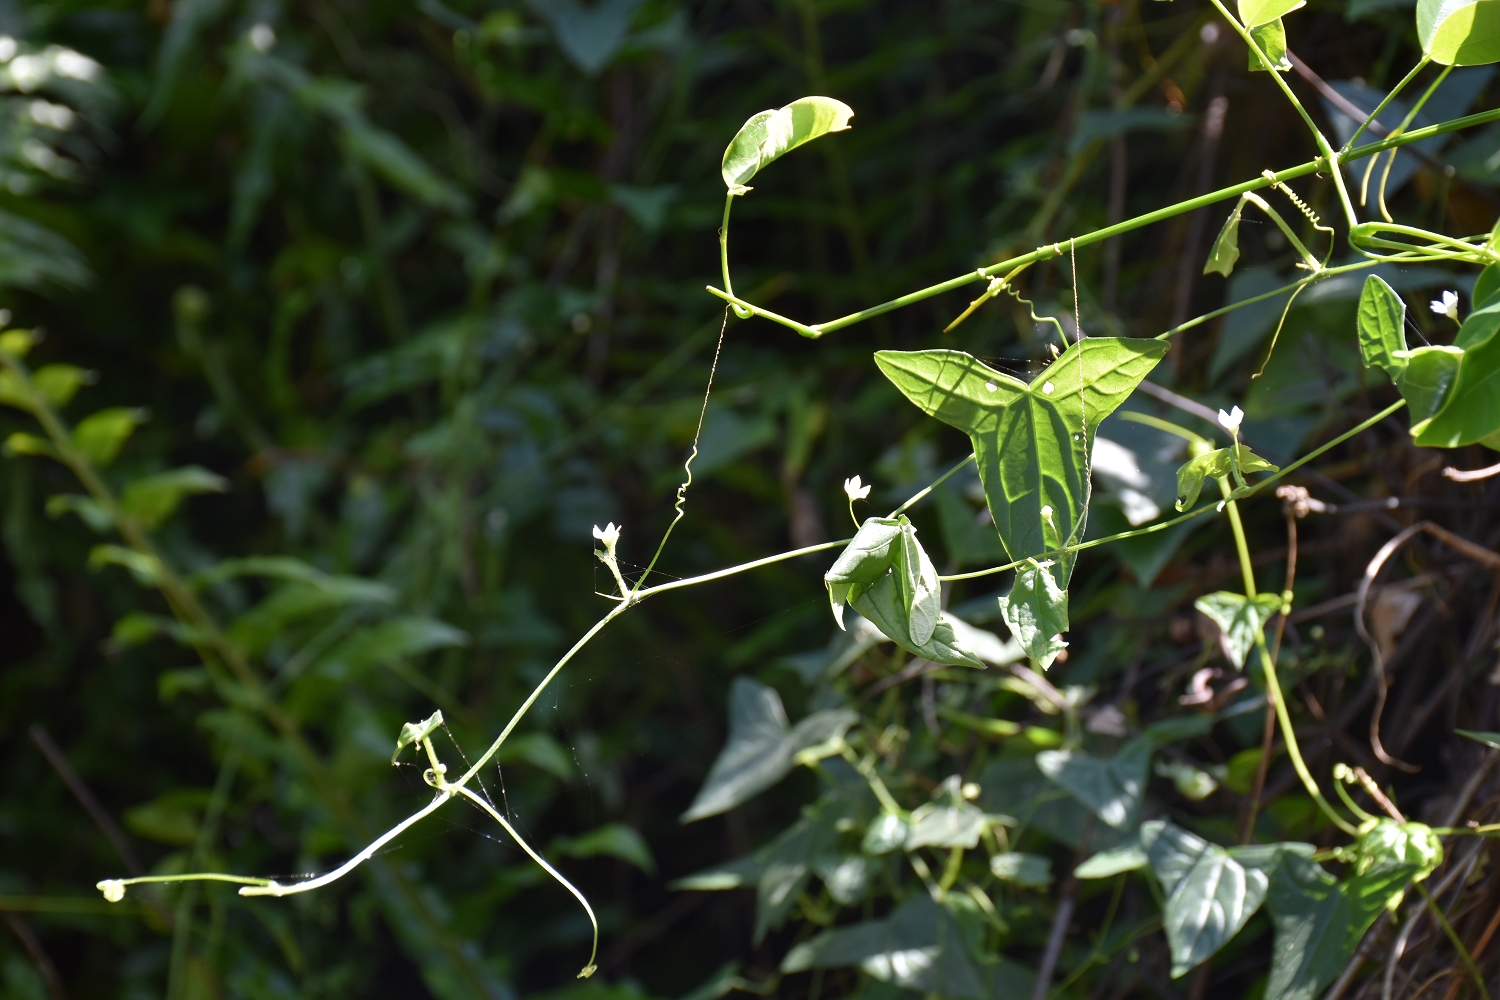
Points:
423	283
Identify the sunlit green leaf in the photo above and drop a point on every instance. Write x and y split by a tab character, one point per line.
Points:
101	435
1427	381
1257	12
58	383
1031	441
770	134
1226	249
1382	327
1471	410
1128	857
945	824
1486	286
1036	612
1319	921
1111	788
1271	37
1239	618
920	591
1479	326
152	499
1210	892
1459	32
1213	465
416	732
868	557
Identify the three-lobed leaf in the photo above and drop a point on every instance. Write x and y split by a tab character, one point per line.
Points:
1031	441
1459	32
771	134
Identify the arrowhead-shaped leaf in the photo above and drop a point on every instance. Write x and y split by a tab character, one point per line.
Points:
761	748
1031	441
1459	32
1239	618
1319	921
1111	788
770	134
1210	892
1382	326
1036	612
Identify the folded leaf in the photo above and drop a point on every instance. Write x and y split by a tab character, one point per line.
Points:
1036	612
1226	249
1215	464
1031	441
868	557
770	134
416	732
882	604
1239	618
1471	411
1271	37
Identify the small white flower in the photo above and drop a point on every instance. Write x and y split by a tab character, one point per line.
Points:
1446	306
855	490
262	38
1046	512
113	889
1231	421
609	535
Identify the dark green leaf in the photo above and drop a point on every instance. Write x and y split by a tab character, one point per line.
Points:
89	510
614	840
1382	326
1488	739
1427	382
1319	921
1486	287
769	134
1210	892
1031	441
882	604
761	748
1471	410
1036	612
1112	788
1239	618
1031	870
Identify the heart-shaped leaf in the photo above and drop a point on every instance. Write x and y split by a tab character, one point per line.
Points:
1210	892
1214	464
1031	441
1427	380
1111	788
1254	13
1036	612
762	747
770	134
1239	618
1470	410
1459	32
1382	327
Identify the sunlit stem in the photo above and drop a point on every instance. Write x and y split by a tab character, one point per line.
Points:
739	310
1351	805
1264	206
933	485
1410	116
1422	64
1273	687
589	969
